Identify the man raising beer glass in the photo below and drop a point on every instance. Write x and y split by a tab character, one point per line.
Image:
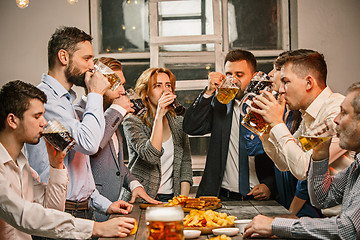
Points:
236	166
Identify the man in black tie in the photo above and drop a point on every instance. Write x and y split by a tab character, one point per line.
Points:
236	166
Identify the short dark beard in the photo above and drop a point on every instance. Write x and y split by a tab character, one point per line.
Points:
74	75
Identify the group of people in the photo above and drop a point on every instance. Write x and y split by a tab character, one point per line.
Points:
47	193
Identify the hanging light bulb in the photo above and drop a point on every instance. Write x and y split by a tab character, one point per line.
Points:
22	3
72	2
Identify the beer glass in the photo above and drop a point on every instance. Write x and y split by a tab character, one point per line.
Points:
112	77
317	134
251	120
227	90
165	223
139	105
58	136
178	108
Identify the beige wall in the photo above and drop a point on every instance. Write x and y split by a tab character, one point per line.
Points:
333	28
329	26
24	34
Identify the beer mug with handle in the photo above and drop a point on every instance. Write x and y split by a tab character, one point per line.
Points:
227	90
112	77
317	134
251	120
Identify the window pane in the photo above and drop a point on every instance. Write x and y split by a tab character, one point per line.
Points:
124	26
183	18
191	71
254	24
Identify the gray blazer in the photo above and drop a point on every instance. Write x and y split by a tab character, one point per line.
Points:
109	171
144	158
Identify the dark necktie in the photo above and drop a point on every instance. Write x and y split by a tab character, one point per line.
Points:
244	186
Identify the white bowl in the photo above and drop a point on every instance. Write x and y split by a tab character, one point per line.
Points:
241	223
227	231
190	234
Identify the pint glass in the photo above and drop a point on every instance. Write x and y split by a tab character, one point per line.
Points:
251	120
112	77
58	136
165	223
317	134
227	90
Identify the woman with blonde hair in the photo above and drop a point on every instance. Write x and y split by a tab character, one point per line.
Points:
159	150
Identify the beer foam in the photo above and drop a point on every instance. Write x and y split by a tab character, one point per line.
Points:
164	214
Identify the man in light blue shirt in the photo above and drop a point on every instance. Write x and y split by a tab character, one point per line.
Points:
70	60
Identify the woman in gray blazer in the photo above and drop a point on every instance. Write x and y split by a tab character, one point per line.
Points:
159	150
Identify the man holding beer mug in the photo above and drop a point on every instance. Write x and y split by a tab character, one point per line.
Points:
109	170
70	60
325	190
303	87
27	205
236	166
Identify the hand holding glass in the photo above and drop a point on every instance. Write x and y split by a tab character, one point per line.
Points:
251	120
317	134
58	136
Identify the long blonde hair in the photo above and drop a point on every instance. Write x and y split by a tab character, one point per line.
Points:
143	85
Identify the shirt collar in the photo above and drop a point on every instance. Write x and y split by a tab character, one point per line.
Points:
317	104
5	157
58	88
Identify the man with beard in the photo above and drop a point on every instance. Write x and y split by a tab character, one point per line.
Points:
109	170
70	60
236	166
325	190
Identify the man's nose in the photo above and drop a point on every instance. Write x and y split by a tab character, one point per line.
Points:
43	122
282	88
91	64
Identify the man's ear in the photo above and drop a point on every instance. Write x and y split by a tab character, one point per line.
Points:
12	121
63	57
310	82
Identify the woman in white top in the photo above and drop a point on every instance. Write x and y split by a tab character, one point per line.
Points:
159	150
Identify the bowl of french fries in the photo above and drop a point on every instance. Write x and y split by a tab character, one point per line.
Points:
206	221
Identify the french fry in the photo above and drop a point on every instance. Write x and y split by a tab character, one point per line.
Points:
209	218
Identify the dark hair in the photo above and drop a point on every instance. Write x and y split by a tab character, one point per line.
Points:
65	38
355	87
239	54
280	60
15	98
305	61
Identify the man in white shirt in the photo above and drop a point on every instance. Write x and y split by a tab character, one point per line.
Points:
303	87
28	206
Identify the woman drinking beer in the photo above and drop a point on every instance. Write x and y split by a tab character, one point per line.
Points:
159	150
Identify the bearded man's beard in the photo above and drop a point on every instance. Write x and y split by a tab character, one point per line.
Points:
75	76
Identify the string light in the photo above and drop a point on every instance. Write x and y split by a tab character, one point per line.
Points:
72	2
22	3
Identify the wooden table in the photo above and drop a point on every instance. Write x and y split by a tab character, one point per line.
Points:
240	209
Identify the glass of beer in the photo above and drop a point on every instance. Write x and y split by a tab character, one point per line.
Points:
58	136
139	105
251	120
165	223
259	82
227	90
317	134
112	77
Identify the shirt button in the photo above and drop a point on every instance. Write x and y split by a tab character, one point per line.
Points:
117	173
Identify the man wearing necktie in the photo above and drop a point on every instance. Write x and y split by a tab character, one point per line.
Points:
236	166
